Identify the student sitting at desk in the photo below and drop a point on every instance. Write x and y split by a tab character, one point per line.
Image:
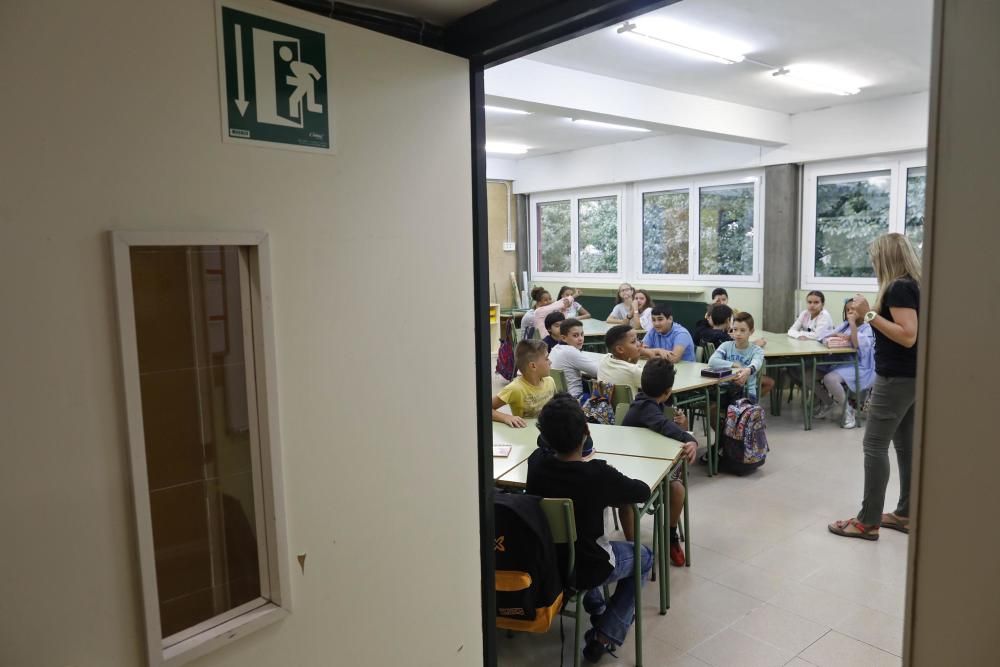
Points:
619	365
647	411
860	336
552	322
624	309
562	472
744	357
714	329
814	321
575	311
569	358
527	393
667	339
541	298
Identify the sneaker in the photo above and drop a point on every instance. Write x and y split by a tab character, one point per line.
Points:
677	554
595	649
821	411
850	419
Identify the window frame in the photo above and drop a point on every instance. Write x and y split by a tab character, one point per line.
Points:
217	631
574	197
897	166
693	185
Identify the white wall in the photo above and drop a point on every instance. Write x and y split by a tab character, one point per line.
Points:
868	128
111	121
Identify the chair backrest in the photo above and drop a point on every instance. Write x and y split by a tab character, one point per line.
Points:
562	524
620	411
622	394
709	350
669	411
559	377
699	354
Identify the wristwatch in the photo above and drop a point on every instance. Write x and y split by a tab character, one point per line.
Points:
870	315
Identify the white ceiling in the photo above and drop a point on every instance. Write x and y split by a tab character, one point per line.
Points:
441	12
885	42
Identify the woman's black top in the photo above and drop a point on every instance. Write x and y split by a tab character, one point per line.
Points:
891	358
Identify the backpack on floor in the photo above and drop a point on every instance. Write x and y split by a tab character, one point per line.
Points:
529	588
744	442
598	408
505	354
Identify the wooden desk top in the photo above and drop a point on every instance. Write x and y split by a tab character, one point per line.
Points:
620	440
688	376
650	471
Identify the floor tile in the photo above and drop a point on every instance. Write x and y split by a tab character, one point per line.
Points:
686	628
837	650
713	599
815	605
780	628
876	628
730	648
753	581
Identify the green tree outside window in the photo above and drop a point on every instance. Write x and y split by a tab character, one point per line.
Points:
665	217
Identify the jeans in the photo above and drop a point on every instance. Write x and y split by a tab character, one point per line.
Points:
617	614
890	418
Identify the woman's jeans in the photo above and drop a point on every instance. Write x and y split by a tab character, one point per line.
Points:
890	418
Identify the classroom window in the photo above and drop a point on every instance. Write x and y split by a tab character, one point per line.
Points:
846	205
726	230
554	237
598	237
194	342
665	221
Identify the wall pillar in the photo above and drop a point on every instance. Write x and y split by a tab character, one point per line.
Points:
781	245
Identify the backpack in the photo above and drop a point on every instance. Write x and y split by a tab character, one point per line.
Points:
744	443
505	355
529	588
598	408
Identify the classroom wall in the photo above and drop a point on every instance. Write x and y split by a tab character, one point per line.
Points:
111	121
954	578
500	205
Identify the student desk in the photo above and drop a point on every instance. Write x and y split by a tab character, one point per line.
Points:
655	473
783	351
594	330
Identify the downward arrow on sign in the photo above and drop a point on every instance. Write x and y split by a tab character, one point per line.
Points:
241	102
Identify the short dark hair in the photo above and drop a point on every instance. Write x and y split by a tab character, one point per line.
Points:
615	335
552	318
562	423
538	292
568	324
564	289
720	291
744	317
664	311
816	292
528	350
657	377
720	313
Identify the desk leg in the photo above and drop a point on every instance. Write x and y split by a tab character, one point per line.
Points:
663	554
806	380
713	454
857	385
637	578
687	521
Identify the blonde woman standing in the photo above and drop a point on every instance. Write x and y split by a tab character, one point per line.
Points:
890	419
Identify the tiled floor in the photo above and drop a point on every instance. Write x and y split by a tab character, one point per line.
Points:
769	585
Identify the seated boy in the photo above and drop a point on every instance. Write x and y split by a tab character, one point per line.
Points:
527	393
647	410
570	359
743	356
552	323
715	329
619	365
667	339
561	472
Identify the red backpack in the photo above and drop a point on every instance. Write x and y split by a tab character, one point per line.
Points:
505	355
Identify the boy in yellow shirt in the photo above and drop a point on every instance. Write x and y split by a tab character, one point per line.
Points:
527	393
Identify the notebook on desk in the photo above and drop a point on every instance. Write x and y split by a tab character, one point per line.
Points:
501	451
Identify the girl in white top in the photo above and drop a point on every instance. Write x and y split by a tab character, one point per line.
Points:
814	322
643	318
575	311
541	297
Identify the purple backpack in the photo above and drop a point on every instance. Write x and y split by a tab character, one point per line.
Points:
505	355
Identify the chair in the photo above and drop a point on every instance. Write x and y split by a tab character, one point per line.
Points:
620	411
560	378
562	524
622	394
699	354
709	351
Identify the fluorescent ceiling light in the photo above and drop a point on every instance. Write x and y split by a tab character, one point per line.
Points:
513	112
817	79
607	126
686	41
506	148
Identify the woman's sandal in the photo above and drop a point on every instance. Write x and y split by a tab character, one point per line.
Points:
896	522
854	528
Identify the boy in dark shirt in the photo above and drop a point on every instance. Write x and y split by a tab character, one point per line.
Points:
715	329
562	472
553	322
647	410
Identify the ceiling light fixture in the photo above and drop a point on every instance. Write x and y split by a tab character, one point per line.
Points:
608	126
505	110
814	81
506	148
686	41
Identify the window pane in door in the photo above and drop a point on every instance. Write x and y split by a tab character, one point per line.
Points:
598	237
554	242
665	217
851	211
916	184
726	230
